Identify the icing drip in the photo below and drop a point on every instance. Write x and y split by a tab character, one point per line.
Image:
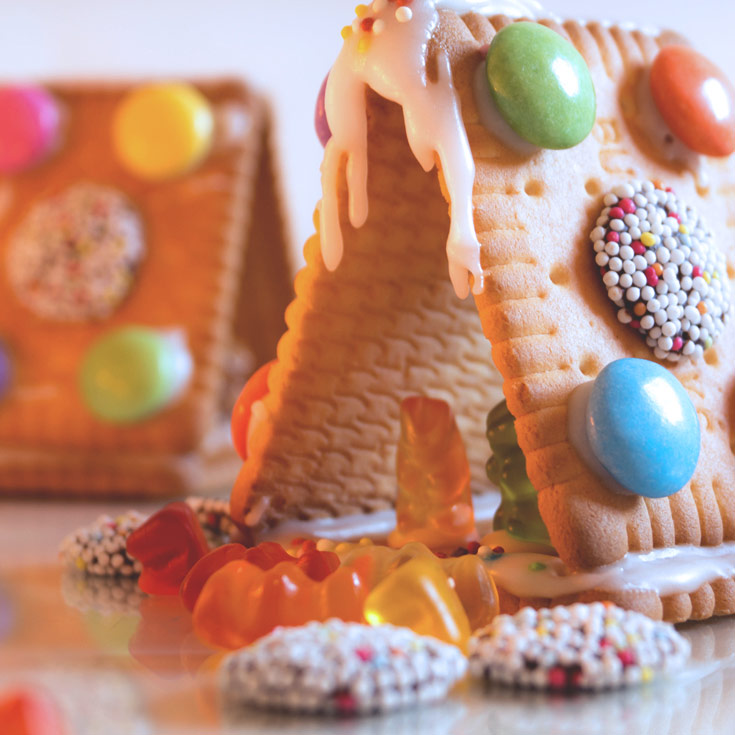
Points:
664	571
390	58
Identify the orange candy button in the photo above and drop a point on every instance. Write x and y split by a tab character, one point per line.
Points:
695	99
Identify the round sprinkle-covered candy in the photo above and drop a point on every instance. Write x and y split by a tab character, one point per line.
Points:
29	127
75	255
341	668
662	269
134	372
321	124
541	85
163	130
576	647
696	100
642	427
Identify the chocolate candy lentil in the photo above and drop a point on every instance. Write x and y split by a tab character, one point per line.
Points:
662	269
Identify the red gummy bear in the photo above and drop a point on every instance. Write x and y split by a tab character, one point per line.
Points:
26	712
168	545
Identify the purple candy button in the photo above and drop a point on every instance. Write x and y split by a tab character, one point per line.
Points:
320	115
5	370
29	125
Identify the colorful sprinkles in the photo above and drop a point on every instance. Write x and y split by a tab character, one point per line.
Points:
341	668
99	548
577	647
368	24
74	256
662	269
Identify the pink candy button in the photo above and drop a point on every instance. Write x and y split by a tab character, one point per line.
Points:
29	124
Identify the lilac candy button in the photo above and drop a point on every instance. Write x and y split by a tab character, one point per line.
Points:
5	370
29	125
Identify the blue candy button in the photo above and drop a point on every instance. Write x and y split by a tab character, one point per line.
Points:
642	427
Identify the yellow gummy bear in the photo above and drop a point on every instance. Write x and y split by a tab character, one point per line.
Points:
418	595
162	130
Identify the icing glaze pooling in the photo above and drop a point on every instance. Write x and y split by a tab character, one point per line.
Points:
386	50
664	571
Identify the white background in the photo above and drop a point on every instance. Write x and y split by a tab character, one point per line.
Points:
284	47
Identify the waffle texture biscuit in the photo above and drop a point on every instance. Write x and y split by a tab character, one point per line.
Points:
213	269
386	324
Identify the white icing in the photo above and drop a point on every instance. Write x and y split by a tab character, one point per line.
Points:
664	571
375	525
393	64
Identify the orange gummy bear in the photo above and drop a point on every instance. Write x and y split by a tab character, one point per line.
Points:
240	602
434	502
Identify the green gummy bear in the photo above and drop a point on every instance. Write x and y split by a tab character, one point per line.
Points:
518	513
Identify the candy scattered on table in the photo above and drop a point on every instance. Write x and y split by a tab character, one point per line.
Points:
29	712
518	513
75	255
418	595
642	427
133	373
99	548
29	127
341	668
434	502
241	602
696	100
576	647
163	130
662	269
214	517
167	545
541	85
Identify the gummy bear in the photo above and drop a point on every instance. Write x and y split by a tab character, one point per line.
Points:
29	712
241	602
168	545
418	595
195	580
434	502
474	587
518	513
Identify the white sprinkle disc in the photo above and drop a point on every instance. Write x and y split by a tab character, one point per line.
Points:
576	647
341	668
662	269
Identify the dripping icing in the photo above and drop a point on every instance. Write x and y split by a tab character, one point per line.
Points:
393	64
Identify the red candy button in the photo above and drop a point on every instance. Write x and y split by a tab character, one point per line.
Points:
29	126
695	99
168	545
255	389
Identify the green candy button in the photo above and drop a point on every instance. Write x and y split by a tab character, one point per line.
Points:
541	85
134	372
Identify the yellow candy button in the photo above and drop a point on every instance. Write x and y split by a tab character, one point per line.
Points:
162	130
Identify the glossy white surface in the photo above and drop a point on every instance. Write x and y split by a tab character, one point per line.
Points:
118	662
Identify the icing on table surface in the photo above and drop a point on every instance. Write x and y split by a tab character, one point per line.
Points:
668	571
390	58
